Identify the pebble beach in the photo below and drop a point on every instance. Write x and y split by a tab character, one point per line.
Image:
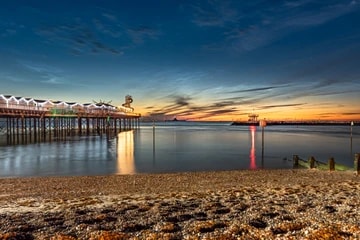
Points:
257	204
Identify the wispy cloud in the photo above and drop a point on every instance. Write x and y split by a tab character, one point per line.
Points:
45	73
103	35
9	32
141	33
193	107
217	112
189	107
324	87
265	23
107	29
214	13
9	29
110	16
176	103
259	89
326	12
78	37
40	68
281	105
350	113
53	80
296	3
12	78
182	101
326	83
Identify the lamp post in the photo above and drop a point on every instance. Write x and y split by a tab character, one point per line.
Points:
351	127
262	124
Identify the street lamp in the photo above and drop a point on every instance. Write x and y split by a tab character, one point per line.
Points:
262	124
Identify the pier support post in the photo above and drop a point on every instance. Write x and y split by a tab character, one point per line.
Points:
8	126
79	125
87	125
357	163
35	129
17	127
22	124
331	164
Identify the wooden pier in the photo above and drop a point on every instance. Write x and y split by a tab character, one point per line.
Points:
28	119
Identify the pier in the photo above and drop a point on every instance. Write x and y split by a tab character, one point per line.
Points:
28	119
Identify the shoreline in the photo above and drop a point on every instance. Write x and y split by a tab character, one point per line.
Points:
272	204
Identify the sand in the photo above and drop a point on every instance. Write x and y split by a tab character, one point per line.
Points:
261	204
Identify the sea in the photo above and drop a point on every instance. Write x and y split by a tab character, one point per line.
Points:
168	147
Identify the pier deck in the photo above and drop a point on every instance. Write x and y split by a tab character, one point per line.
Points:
39	118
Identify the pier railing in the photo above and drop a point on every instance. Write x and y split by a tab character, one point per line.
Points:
24	110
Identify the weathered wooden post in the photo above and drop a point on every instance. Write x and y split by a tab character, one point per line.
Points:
79	125
331	164
295	161
312	162
357	163
262	124
351	137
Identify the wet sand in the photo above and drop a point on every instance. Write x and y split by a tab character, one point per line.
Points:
262	204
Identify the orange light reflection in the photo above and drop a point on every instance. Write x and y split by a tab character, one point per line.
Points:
125	153
252	150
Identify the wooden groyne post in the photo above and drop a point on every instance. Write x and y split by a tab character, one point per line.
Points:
312	162
357	163
331	163
295	161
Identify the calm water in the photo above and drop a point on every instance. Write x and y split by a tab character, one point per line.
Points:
177	147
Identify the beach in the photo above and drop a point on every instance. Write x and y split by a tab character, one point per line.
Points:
246	204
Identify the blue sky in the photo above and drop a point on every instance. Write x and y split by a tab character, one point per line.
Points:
198	60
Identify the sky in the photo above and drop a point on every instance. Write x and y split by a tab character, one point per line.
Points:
214	60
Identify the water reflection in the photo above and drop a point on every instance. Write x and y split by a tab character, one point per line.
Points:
125	153
252	150
176	149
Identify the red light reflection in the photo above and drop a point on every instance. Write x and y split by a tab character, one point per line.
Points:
252	150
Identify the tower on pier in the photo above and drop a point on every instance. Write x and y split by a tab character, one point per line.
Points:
128	101
253	117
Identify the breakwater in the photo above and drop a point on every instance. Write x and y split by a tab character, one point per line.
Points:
299	123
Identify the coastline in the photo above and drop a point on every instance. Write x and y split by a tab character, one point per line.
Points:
271	204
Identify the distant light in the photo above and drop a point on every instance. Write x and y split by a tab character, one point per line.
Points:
262	123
